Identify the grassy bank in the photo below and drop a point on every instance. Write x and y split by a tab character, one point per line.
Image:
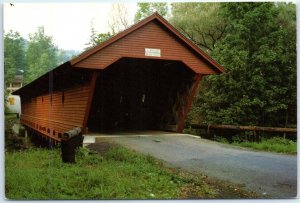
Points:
40	174
119	174
275	144
270	144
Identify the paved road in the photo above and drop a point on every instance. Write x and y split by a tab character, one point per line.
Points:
270	174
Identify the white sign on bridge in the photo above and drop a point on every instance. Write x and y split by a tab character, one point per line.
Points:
152	52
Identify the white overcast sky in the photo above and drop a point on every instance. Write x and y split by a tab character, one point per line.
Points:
68	23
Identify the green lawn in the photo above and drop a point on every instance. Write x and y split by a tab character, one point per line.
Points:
119	174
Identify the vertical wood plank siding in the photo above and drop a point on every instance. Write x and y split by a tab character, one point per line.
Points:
52	119
151	35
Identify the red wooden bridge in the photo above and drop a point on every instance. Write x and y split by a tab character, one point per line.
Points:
143	78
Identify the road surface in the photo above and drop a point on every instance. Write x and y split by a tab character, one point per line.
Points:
270	174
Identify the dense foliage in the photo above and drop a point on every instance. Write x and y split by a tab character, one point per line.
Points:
146	9
14	54
31	58
202	23
258	53
41	55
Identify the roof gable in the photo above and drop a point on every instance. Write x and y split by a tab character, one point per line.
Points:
152	32
205	65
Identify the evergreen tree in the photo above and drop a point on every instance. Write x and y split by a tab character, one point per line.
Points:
96	38
259	54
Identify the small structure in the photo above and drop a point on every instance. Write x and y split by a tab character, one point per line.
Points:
15	84
13	102
141	79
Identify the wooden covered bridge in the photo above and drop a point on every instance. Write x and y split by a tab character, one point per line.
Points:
143	78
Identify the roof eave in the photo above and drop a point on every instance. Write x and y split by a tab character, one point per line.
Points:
111	40
192	45
215	65
21	90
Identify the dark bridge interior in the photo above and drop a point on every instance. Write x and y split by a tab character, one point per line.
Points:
139	94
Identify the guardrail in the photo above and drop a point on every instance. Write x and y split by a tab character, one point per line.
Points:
254	129
245	128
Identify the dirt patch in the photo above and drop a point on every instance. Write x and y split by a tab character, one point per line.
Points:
228	190
200	186
101	146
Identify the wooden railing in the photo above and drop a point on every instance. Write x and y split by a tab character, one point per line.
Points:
245	128
242	129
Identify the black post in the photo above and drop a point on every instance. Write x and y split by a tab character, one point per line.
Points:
70	141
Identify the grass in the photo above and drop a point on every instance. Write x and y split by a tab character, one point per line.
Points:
275	144
119	174
10	116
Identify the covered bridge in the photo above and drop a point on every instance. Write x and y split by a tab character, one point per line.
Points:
143	78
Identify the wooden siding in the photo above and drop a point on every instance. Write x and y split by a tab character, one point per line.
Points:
151	35
53	119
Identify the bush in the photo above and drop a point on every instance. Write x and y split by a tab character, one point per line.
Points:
220	139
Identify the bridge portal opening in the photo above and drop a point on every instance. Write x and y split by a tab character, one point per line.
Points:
140	94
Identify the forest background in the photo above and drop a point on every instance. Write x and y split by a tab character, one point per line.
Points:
254	42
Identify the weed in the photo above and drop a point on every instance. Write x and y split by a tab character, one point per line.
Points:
220	139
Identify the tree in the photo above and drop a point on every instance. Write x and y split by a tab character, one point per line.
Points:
96	38
14	55
146	9
202	23
118	20
288	55
259	54
41	55
65	55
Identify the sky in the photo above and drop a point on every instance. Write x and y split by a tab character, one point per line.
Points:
68	23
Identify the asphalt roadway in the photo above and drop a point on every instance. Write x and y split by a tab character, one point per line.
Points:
270	174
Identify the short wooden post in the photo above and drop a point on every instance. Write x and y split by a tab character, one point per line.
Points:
255	136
